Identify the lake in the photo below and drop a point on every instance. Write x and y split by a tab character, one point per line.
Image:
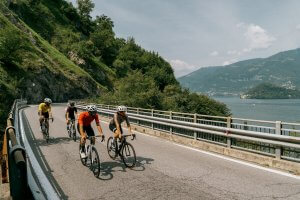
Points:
287	110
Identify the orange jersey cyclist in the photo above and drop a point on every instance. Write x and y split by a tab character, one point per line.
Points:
84	126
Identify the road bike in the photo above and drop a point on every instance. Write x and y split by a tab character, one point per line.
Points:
92	159
45	129
125	150
72	130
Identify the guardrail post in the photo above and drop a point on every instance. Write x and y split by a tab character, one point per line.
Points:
195	121
229	120
278	132
138	112
152	124
171	128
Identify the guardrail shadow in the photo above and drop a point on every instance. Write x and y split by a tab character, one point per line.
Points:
53	140
107	168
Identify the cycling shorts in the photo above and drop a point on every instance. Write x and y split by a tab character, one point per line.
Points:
87	129
46	115
113	128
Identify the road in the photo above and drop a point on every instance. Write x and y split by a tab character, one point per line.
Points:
164	170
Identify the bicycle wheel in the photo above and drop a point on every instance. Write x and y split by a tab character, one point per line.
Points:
74	132
47	133
95	162
111	150
128	155
83	160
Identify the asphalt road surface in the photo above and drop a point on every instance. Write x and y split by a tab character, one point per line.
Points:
164	170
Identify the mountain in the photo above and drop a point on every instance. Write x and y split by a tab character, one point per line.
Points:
282	69
270	91
52	49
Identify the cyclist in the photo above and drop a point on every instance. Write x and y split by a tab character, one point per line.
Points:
45	111
115	124
84	126
70	113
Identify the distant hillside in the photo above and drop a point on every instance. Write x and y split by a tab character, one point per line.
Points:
271	91
282	69
49	48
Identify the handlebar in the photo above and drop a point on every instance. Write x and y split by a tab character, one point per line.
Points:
133	136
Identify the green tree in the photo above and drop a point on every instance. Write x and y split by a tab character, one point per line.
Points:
11	45
85	7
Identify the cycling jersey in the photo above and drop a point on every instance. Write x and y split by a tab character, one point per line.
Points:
44	108
120	119
71	112
85	119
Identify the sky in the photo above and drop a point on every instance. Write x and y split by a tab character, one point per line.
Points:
191	34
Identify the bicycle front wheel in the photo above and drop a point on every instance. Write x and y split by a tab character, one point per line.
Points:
111	149
128	155
95	162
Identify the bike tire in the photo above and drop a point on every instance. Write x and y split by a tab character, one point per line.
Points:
74	133
47	134
128	155
95	162
110	150
83	160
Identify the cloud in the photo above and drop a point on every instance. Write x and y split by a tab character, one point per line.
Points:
228	62
298	27
214	53
258	38
181	68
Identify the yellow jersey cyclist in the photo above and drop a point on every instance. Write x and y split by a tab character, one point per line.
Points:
45	111
115	124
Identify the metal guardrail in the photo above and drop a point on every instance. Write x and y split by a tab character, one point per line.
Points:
272	138
14	166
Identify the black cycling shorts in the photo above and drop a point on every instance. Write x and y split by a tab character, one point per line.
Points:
87	129
113	128
46	115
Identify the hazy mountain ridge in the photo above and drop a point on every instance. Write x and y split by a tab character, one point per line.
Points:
281	69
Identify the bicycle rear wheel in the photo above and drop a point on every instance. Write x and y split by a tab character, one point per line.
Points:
95	162
111	150
83	160
128	155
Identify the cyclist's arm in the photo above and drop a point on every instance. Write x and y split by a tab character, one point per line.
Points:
82	133
98	125
40	109
67	115
117	122
128	125
50	113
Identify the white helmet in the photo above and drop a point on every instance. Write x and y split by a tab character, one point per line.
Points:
47	100
121	108
91	108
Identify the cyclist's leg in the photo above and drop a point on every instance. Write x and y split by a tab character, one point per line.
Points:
90	132
82	141
46	116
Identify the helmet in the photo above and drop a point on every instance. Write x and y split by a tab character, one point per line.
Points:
91	108
121	108
47	100
72	104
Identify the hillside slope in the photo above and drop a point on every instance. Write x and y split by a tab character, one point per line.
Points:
50	49
281	69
